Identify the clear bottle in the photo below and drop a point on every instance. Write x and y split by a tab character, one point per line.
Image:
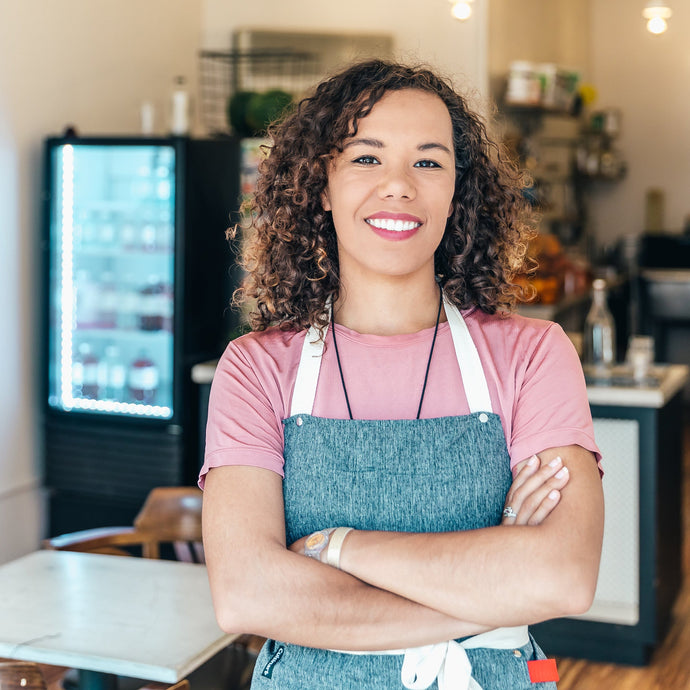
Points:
179	108
599	342
85	373
112	375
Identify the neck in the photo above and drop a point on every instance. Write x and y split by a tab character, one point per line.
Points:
388	307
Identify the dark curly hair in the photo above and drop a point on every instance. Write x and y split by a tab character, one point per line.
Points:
291	253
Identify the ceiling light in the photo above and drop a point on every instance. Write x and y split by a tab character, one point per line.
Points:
656	12
461	10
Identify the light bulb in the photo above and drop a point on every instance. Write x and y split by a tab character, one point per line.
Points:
461	11
657	25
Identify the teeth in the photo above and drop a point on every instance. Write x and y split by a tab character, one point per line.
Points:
390	224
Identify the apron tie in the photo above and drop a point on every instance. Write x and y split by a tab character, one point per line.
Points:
448	662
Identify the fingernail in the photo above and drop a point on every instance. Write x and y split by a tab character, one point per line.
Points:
561	473
533	461
556	462
553	495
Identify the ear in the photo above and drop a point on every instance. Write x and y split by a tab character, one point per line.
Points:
450	208
326	201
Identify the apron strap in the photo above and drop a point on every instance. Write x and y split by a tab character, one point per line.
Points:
471	370
304	393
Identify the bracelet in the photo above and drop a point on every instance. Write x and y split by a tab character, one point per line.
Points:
335	545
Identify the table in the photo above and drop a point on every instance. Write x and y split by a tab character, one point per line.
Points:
134	617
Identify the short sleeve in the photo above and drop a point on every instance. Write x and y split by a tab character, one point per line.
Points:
244	425
551	407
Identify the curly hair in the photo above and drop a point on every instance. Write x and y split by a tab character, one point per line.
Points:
291	252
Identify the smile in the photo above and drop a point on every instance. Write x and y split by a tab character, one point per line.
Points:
393	225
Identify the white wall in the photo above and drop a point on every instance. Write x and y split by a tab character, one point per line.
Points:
648	78
422	29
91	63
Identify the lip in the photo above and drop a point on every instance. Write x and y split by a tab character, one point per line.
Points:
394	235
387	215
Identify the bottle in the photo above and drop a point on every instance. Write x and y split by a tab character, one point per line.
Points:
153	305
143	379
88	300
112	375
85	373
179	111
600	332
108	303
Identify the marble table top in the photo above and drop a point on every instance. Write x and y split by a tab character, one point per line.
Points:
134	617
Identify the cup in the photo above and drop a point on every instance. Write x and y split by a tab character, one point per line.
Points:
640	356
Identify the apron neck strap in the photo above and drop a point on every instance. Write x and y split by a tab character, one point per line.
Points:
471	370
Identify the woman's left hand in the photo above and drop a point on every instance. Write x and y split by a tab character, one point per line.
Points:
535	491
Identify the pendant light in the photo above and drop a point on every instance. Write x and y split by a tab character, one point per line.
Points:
461	10
656	12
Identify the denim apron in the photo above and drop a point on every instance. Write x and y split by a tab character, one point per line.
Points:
410	475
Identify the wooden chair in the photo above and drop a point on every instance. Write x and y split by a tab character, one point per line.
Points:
170	515
21	675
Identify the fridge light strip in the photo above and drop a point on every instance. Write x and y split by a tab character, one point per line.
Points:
120	407
66	275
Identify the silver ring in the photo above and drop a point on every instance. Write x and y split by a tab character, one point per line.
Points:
509	512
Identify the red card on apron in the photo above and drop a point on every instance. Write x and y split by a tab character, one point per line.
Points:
542	671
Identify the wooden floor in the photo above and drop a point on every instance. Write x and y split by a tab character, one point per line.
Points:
670	665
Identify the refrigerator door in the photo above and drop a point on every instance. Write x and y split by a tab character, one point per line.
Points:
111	266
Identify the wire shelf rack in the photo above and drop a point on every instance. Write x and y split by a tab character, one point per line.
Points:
223	74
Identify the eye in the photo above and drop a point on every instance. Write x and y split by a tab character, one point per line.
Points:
426	163
366	160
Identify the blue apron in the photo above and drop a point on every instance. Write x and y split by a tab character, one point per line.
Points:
411	475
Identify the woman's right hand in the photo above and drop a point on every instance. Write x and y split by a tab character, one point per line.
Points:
535	491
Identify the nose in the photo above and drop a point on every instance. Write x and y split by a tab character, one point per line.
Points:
396	183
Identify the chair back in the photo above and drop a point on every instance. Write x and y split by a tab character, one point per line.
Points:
172	514
21	675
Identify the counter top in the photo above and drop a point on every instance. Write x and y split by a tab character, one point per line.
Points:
203	372
666	275
671	378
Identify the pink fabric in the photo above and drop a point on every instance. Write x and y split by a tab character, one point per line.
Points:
534	376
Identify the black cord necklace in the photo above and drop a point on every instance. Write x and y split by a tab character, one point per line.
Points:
428	364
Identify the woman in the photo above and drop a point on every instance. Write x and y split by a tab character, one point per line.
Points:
388	389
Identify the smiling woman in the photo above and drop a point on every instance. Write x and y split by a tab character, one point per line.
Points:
390	190
397	467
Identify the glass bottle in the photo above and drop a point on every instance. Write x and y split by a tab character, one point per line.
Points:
143	379
599	343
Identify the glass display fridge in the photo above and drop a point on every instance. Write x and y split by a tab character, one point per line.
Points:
138	280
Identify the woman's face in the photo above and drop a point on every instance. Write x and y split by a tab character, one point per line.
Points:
391	189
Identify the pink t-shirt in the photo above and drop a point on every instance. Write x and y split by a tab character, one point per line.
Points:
534	376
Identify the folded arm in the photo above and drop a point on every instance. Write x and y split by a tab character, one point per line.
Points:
259	586
499	576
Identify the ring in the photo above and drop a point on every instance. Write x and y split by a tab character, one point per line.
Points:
509	512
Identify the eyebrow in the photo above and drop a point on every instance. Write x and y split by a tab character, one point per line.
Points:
378	144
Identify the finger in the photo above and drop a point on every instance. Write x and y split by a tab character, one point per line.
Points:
524	470
529	497
509	516
535	501
519	491
544	510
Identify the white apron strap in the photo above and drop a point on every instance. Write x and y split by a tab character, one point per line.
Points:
471	370
304	392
